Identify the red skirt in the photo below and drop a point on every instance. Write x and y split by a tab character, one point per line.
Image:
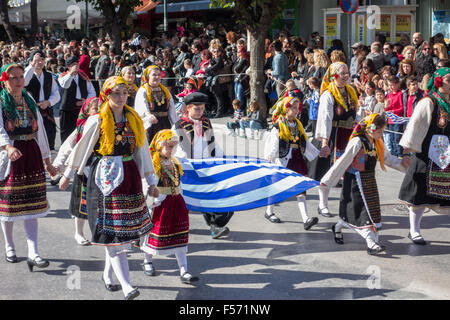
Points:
23	195
170	227
297	163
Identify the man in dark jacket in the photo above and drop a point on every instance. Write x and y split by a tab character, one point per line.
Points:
102	66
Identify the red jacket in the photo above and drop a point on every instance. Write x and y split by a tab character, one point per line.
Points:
84	64
396	105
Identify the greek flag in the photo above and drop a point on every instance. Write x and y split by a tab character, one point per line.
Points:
396	119
238	184
136	42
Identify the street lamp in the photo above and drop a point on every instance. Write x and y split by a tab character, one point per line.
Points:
165	15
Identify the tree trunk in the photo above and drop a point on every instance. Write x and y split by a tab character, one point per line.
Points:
257	78
5	21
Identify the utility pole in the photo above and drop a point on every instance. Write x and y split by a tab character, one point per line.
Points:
87	20
165	16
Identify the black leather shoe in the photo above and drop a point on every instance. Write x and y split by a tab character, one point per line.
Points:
188	278
310	222
417	240
376	250
217	232
112	287
11	259
133	294
338	240
151	272
37	263
323	213
272	218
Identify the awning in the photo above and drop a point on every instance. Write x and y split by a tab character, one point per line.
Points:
184	6
147	5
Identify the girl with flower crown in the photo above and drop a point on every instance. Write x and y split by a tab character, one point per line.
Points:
288	145
154	103
427	181
116	207
170	218
359	207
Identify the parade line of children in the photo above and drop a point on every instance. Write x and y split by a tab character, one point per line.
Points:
117	158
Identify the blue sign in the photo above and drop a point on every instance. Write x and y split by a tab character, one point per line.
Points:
349	6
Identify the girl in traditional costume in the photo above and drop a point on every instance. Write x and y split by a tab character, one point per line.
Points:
427	181
287	146
78	207
170	218
116	207
154	103
335	121
359	207
23	157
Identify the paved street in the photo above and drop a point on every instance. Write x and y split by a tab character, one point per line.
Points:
257	260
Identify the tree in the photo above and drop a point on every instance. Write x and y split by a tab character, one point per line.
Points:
116	13
5	21
257	16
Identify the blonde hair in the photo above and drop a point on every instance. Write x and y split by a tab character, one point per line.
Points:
215	44
321	59
426	78
406	49
443	54
338	55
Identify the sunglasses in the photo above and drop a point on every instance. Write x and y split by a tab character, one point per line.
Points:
426	49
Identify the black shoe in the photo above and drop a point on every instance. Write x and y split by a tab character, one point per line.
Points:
40	263
188	278
112	287
338	240
417	240
217	232
376	250
310	222
11	259
133	294
324	214
56	181
151	272
272	218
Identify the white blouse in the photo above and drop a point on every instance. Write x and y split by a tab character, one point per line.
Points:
84	148
143	109
332	177
418	126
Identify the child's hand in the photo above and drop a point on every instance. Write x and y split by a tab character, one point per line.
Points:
153	191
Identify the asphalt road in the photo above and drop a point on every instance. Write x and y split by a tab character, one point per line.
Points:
258	260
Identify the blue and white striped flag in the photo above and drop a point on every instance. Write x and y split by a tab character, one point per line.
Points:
238	184
136	42
396	119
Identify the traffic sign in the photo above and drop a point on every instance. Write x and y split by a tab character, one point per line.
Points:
349	6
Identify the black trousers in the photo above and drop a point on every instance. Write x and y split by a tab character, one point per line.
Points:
49	125
217	219
67	123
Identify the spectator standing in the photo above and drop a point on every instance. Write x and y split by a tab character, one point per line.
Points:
424	62
280	67
394	104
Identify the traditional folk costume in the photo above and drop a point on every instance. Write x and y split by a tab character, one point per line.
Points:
287	146
23	194
427	181
197	141
170	218
74	89
43	87
359	207
116	207
157	102
335	121
78	201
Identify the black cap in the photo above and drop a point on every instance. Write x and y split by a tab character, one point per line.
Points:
71	60
196	98
37	52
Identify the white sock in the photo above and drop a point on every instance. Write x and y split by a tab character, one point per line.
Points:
369	236
182	262
340	225
31	230
323	196
121	269
7	227
415	218
301	202
269	210
107	273
79	225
